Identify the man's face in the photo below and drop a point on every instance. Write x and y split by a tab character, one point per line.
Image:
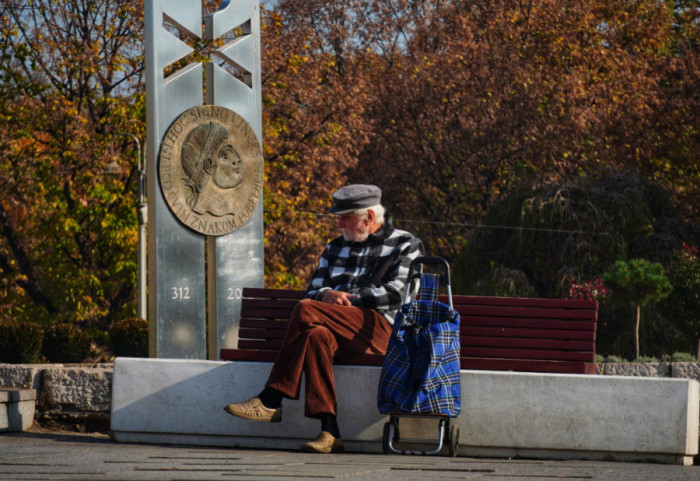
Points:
355	227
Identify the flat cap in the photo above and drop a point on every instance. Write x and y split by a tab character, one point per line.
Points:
353	197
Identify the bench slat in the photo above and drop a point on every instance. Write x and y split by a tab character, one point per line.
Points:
265	312
287	304
272	345
265	323
249	292
521	302
467	331
248	333
533	344
562	367
244	354
543	355
527	312
533	323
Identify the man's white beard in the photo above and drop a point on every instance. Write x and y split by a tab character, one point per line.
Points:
357	237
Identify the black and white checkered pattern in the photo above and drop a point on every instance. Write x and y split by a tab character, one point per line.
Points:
375	270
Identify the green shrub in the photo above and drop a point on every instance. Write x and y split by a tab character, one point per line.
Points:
20	342
613	359
680	357
129	337
646	359
65	343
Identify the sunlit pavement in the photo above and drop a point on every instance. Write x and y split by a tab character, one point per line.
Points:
67	456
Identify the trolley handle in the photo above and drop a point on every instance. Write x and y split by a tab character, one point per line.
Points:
415	271
418	262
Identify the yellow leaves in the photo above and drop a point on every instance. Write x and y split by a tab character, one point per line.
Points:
70	225
9	31
295	61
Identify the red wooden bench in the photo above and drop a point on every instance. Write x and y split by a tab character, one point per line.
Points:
496	333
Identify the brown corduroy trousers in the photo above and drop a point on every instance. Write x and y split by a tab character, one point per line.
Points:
316	331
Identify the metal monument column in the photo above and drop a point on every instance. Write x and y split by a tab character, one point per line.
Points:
205	169
177	295
238	256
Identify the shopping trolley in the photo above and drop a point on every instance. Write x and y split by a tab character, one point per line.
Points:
420	377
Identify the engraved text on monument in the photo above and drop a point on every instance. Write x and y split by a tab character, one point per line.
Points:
211	170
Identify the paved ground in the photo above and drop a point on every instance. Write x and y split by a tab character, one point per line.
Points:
66	456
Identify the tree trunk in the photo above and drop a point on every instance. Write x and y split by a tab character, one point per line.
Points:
636	333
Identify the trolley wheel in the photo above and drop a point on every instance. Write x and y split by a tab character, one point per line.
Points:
453	445
385	438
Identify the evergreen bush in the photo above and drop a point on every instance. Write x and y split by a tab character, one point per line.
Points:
129	337
65	343
20	342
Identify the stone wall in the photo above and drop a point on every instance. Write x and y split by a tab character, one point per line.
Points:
683	370
69	397
77	397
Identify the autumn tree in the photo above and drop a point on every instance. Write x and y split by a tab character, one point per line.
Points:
471	99
673	137
314	126
69	81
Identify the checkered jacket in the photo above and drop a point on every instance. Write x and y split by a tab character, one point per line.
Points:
375	270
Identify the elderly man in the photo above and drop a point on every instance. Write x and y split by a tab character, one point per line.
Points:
349	305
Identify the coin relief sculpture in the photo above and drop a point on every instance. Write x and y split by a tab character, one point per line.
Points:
211	170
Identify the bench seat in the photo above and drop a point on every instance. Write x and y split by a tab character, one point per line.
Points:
496	333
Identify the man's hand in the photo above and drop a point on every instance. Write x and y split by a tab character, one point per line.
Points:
338	297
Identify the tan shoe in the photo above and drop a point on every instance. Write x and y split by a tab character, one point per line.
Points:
253	410
324	443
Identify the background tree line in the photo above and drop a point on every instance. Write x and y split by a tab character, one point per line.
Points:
475	118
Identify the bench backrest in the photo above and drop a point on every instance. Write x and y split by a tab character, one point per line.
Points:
524	334
496	333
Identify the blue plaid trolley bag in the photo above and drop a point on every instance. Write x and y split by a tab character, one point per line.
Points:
420	376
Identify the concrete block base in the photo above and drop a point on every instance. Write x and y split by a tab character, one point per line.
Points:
547	416
17	409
